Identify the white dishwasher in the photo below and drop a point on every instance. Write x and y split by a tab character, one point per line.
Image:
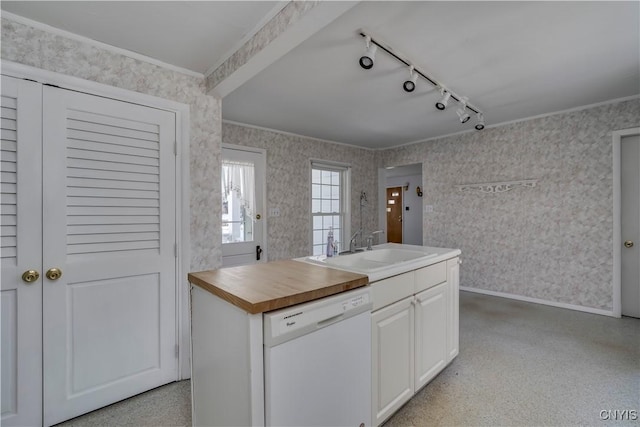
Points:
317	362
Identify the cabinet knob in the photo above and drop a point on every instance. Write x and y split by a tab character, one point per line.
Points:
628	244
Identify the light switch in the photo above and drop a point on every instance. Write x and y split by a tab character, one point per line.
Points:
274	212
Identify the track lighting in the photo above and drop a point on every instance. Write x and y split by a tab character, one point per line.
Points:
462	111
410	84
366	60
442	104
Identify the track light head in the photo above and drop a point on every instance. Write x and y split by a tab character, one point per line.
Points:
480	123
367	60
410	84
442	103
463	115
462	111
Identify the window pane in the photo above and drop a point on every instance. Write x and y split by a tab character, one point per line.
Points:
326	206
315	176
326	191
326	177
315	191
317	222
317	236
335	192
335	178
315	205
335	205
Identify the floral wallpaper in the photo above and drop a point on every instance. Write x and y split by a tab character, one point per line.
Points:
288	186
553	241
30	46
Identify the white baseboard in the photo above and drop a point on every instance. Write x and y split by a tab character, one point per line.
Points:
540	301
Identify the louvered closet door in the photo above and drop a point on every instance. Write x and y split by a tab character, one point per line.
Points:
21	224
109	225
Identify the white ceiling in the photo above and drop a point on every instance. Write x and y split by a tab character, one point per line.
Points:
512	59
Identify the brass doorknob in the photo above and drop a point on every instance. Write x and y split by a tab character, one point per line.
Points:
54	273
628	244
30	276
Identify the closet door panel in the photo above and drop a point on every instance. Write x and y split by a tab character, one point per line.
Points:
21	239
109	226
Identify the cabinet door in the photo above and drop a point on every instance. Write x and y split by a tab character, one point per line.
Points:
21	224
453	322
392	358
431	333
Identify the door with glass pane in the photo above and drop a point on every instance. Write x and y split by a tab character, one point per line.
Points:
243	188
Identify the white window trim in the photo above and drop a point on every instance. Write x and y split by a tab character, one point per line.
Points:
345	199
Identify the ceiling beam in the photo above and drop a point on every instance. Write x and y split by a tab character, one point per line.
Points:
295	23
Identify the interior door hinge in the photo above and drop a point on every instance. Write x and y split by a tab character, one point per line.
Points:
177	350
175	148
175	250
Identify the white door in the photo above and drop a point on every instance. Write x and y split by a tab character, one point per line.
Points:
432	308
109	227
243	187
630	221
21	224
453	316
392	358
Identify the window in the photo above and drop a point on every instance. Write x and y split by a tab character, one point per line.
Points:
238	201
329	206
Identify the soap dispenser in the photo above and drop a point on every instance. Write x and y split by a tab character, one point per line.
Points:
330	245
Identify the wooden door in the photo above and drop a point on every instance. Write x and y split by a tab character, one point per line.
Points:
21	224
394	215
630	223
109	227
431	333
243	177
392	358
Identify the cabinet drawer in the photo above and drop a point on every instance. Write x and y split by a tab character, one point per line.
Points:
392	289
432	275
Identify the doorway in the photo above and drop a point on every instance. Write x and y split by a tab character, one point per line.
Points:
243	196
409	179
394	214
626	218
630	224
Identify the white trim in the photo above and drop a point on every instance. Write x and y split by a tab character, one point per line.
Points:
117	50
263	155
183	212
617	225
296	135
539	301
265	19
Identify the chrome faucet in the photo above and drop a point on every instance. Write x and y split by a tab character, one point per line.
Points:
352	241
370	239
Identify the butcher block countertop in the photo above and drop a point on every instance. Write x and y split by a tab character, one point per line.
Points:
258	288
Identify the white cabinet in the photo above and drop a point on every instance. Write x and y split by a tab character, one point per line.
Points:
415	333
431	333
392	358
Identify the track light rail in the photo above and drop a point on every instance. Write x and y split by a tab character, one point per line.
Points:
417	70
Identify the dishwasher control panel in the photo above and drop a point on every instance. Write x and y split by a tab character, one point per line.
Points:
303	318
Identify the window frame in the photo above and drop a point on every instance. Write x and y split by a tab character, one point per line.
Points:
345	200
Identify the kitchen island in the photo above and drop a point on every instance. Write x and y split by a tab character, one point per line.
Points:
413	326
